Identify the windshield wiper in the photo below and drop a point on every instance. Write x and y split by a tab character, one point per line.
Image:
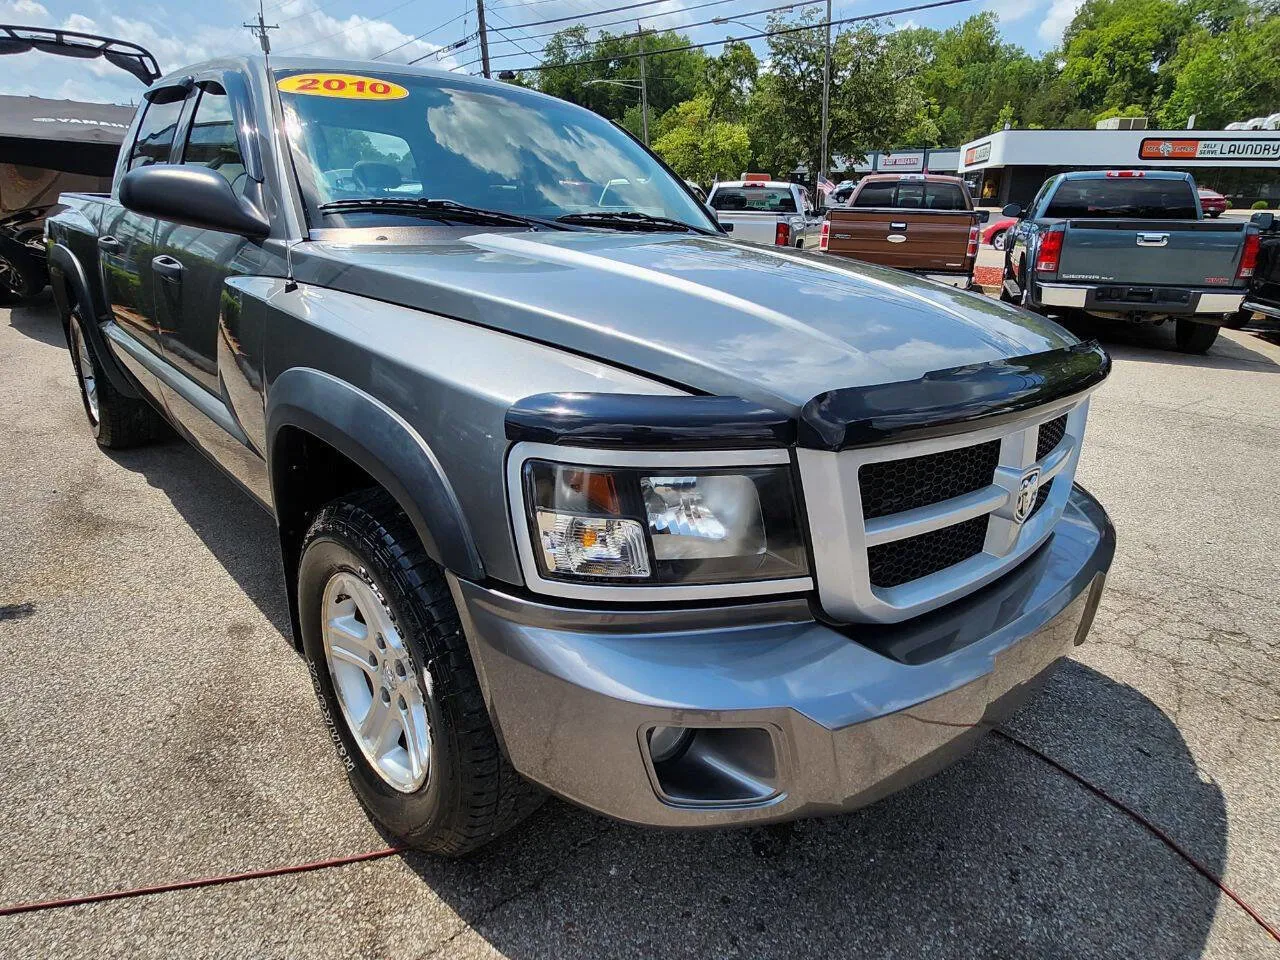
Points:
630	220
436	210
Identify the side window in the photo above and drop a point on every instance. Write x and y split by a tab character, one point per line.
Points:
1034	205
155	134
878	194
212	142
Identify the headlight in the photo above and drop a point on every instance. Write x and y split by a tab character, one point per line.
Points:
663	527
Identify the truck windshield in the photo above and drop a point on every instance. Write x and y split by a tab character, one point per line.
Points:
754	199
401	136
1123	197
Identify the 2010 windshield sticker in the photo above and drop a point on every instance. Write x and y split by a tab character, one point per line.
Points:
343	85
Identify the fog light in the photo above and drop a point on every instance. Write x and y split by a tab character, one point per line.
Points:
666	743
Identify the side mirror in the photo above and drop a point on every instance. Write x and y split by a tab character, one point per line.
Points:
1011	210
726	227
193	196
1264	220
984	216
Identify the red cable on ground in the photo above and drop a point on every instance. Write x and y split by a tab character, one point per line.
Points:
200	882
1155	831
393	851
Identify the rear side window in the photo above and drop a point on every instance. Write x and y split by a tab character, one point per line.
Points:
758	199
1123	197
876	195
912	195
155	134
212	142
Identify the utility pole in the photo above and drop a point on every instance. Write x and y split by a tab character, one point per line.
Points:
644	90
260	29
484	37
826	95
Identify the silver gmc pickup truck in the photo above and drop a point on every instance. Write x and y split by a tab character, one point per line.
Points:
574	492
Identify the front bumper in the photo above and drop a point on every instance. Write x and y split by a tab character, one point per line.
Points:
801	719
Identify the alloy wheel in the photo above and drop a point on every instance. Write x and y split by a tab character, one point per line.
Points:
84	367
376	683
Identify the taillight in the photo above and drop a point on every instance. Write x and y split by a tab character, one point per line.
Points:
824	240
973	243
1249	258
782	236
1050	251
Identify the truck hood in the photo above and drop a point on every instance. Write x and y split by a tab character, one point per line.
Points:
776	327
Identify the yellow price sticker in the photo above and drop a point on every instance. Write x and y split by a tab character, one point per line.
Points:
342	85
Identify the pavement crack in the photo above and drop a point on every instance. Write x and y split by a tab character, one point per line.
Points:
533	886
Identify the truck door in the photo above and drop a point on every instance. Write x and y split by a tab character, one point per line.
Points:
215	359
126	241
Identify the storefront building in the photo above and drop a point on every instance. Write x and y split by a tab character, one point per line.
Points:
906	160
1009	166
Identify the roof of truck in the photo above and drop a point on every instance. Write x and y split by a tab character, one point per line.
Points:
927	177
776	184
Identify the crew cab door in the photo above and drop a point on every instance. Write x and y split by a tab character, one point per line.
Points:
126	239
212	353
191	265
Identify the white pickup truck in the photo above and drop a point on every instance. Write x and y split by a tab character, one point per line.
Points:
767	211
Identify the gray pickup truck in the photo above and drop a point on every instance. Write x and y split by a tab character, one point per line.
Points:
571	497
1129	245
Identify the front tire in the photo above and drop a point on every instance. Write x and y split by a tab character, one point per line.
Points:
117	421
396	684
1193	337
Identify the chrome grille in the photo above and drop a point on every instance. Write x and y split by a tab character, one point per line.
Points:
928	521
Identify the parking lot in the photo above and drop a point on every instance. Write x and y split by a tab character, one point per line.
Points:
159	726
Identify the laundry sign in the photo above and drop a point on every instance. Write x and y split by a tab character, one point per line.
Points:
1197	148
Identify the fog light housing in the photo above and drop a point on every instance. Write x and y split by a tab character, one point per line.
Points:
667	743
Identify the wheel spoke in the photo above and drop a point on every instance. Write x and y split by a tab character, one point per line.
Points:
374	721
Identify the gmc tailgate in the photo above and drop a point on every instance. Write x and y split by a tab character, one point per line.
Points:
1178	253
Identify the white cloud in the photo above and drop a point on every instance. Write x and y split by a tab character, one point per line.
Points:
1057	19
305	30
1010	10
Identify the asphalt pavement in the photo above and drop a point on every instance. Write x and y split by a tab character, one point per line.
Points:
157	725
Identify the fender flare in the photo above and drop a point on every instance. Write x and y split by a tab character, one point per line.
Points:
379	441
65	271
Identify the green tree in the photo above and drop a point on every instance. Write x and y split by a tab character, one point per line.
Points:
874	96
700	147
729	80
1232	76
572	59
1114	49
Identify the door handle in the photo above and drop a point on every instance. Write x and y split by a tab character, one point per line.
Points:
1152	239
108	242
167	267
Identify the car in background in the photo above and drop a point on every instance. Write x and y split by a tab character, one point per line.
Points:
994	234
1212	203
1264	285
760	210
1129	245
921	223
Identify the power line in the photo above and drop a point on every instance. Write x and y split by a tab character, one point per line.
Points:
753	36
629	6
498	30
679	26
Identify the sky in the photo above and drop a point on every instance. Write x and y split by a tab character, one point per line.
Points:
186	32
